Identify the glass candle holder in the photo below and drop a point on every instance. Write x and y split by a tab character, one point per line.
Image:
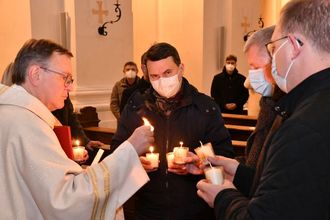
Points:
214	175
78	153
204	151
170	158
180	153
153	158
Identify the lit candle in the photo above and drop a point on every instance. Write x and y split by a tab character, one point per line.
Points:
153	157
180	153
170	158
147	123
214	175
78	151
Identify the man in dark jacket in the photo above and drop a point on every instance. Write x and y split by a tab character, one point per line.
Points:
292	176
178	112
228	88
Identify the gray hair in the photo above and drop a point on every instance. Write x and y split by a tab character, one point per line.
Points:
34	52
259	39
310	18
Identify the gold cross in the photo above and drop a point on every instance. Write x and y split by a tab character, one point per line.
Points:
100	12
245	24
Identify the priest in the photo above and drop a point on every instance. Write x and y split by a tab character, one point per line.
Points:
38	181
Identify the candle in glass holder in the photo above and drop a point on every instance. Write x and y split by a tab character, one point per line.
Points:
78	152
214	175
204	151
153	157
180	153
169	158
147	123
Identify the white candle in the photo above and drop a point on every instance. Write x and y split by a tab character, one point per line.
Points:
204	151
78	153
214	175
180	153
153	157
147	123
170	158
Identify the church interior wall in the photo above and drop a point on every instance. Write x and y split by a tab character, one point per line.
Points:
194	28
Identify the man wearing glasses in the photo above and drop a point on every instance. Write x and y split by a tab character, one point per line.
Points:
38	180
292	177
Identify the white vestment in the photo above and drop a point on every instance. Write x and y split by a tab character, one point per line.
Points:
38	181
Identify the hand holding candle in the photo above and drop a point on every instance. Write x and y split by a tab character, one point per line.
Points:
204	151
180	153
153	157
78	152
214	174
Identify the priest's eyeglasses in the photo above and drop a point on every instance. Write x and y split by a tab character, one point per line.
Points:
66	77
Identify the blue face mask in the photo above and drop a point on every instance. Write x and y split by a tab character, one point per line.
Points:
281	82
259	83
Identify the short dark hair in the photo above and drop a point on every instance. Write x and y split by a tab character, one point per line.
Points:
144	58
130	63
161	51
310	18
231	57
35	52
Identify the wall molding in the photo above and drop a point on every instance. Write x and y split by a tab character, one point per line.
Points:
98	97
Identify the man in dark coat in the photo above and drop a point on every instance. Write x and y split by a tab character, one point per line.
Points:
292	176
228	88
178	113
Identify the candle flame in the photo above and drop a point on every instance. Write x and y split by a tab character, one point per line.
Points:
181	143
151	149
77	142
147	123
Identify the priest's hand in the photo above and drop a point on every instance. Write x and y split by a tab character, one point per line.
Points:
84	159
229	165
147	164
208	191
141	139
91	144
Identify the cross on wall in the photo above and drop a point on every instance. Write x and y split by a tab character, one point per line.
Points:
100	12
245	24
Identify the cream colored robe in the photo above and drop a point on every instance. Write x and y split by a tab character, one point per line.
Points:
38	181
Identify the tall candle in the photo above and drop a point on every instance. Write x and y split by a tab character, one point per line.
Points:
147	123
214	175
153	157
180	153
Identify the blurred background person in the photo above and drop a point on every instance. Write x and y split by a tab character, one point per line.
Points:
228	88
130	79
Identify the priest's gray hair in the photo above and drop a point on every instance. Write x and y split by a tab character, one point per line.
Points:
260	38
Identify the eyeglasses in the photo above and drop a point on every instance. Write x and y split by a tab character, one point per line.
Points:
66	77
270	46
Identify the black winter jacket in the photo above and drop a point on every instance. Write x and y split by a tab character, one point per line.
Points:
167	195
292	180
227	88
